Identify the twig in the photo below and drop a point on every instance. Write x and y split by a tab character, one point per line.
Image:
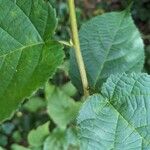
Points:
76	44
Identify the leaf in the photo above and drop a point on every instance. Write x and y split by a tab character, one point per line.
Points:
61	140
18	147
41	14
3	140
37	137
119	118
61	108
110	44
69	89
16	136
56	141
72	138
7	128
34	104
27	57
1	148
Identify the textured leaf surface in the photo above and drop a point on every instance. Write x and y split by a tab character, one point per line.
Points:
61	108
110	44
27	59
41	15
119	118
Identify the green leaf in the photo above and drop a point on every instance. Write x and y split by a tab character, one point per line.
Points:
34	104
18	147
1	148
62	140
37	137
69	89
7	128
56	140
16	136
72	138
27	58
119	118
110	44
61	108
41	14
3	140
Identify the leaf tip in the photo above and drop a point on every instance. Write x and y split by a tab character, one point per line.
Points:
129	7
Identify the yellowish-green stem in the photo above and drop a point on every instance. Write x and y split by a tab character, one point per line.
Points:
76	43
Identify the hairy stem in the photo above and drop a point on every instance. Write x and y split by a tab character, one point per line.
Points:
76	43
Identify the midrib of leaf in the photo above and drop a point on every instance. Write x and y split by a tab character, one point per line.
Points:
108	103
12	77
25	83
22	48
131	94
114	143
130	125
101	68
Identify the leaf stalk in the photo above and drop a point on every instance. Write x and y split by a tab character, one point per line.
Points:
76	44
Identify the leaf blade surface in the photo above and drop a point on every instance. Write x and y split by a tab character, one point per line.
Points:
27	56
119	117
110	44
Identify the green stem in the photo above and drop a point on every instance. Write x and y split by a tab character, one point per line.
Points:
76	43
